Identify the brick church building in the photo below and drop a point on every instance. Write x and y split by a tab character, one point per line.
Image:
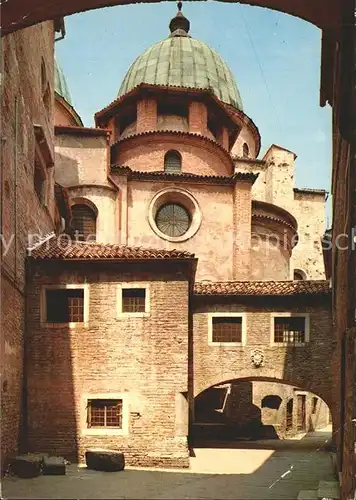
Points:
185	280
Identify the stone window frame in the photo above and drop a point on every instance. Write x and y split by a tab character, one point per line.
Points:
289	315
43	306
129	284
228	315
105	431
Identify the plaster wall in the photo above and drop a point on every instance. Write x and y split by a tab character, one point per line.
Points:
309	210
245	136
81	160
212	243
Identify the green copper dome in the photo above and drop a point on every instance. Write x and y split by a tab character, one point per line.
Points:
183	61
60	83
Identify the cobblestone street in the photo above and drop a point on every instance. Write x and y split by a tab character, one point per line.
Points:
234	473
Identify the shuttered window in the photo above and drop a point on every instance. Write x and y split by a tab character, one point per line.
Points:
84	223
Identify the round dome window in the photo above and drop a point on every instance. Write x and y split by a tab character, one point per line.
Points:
174	214
173	219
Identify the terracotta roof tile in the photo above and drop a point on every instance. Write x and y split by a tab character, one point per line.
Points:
320	287
184	176
63	248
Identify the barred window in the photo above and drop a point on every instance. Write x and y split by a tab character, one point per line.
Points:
227	329
133	300
65	305
289	330
173	162
104	413
84	222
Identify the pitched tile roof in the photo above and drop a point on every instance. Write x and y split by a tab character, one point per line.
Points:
60	248
317	287
184	176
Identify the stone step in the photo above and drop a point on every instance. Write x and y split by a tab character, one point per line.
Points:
329	490
308	495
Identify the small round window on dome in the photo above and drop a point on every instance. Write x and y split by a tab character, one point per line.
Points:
172	162
299	275
245	150
173	219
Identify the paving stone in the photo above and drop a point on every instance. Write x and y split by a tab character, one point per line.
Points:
329	490
307	495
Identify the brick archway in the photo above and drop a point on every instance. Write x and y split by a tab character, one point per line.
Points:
16	14
307	385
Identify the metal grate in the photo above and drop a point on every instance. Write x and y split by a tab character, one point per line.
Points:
133	300
173	219
173	162
105	413
65	305
84	222
227	329
289	330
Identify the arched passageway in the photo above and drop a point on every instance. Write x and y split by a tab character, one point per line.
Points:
16	15
252	410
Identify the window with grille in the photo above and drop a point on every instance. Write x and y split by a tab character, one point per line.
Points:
65	305
173	220
289	330
133	300
173	162
105	413
84	222
245	150
227	329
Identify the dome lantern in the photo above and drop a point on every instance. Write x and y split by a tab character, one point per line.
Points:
179	25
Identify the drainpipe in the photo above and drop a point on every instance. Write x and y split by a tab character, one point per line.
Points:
15	181
118	211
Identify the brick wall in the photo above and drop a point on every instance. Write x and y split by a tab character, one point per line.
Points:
198	118
307	367
199	156
144	358
146	115
28	72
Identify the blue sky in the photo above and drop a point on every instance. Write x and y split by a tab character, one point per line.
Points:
274	57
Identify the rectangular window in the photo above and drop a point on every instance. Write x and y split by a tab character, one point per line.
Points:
105	413
65	305
289	329
227	329
133	300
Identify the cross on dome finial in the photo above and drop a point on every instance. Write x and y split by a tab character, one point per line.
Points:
179	25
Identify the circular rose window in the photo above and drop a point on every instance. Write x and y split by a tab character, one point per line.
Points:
174	214
173	219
